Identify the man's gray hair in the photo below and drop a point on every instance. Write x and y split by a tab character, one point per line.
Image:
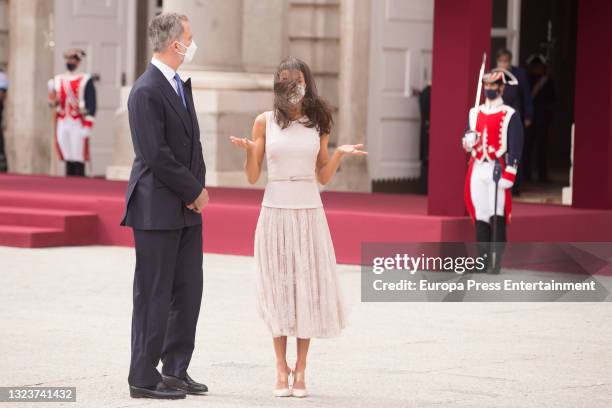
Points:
166	28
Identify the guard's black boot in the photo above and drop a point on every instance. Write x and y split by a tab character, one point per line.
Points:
483	239
498	243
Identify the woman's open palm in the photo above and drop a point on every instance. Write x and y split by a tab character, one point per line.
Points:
352	149
242	142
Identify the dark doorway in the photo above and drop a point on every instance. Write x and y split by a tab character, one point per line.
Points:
548	27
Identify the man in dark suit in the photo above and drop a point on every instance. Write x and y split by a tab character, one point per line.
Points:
164	200
518	97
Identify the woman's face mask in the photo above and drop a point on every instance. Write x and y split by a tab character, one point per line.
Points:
299	93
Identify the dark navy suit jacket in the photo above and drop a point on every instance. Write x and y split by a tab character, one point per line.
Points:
168	171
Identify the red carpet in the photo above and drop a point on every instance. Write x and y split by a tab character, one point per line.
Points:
39	211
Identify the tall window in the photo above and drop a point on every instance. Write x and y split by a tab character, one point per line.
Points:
506	28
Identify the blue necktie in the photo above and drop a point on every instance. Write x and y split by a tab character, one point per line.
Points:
179	87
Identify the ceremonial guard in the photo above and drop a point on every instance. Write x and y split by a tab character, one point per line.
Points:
495	141
73	96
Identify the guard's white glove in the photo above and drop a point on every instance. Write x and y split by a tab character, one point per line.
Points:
469	140
508	176
505	183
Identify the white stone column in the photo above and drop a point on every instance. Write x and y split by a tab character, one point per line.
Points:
265	41
239	44
29	132
353	92
217	29
566	192
227	97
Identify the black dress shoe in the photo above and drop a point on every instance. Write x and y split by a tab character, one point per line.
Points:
158	391
186	384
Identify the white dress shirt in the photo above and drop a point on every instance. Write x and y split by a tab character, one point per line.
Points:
167	71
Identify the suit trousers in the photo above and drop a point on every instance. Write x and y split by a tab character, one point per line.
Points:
167	298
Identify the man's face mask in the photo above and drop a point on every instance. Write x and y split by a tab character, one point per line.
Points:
189	51
491	93
71	66
298	94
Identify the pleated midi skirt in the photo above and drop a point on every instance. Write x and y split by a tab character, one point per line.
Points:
298	292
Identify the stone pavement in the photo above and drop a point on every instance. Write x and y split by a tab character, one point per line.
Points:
65	318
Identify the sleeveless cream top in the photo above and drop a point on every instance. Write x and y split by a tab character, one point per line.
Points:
291	154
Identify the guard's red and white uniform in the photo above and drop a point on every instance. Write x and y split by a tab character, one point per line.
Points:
74	119
499	137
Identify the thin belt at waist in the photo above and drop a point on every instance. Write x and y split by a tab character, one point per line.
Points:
292	178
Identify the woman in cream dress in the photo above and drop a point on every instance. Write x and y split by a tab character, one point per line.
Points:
298	293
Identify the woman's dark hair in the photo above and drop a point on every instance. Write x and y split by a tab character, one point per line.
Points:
315	109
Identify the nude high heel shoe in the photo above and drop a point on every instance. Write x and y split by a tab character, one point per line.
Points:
283	392
299	392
